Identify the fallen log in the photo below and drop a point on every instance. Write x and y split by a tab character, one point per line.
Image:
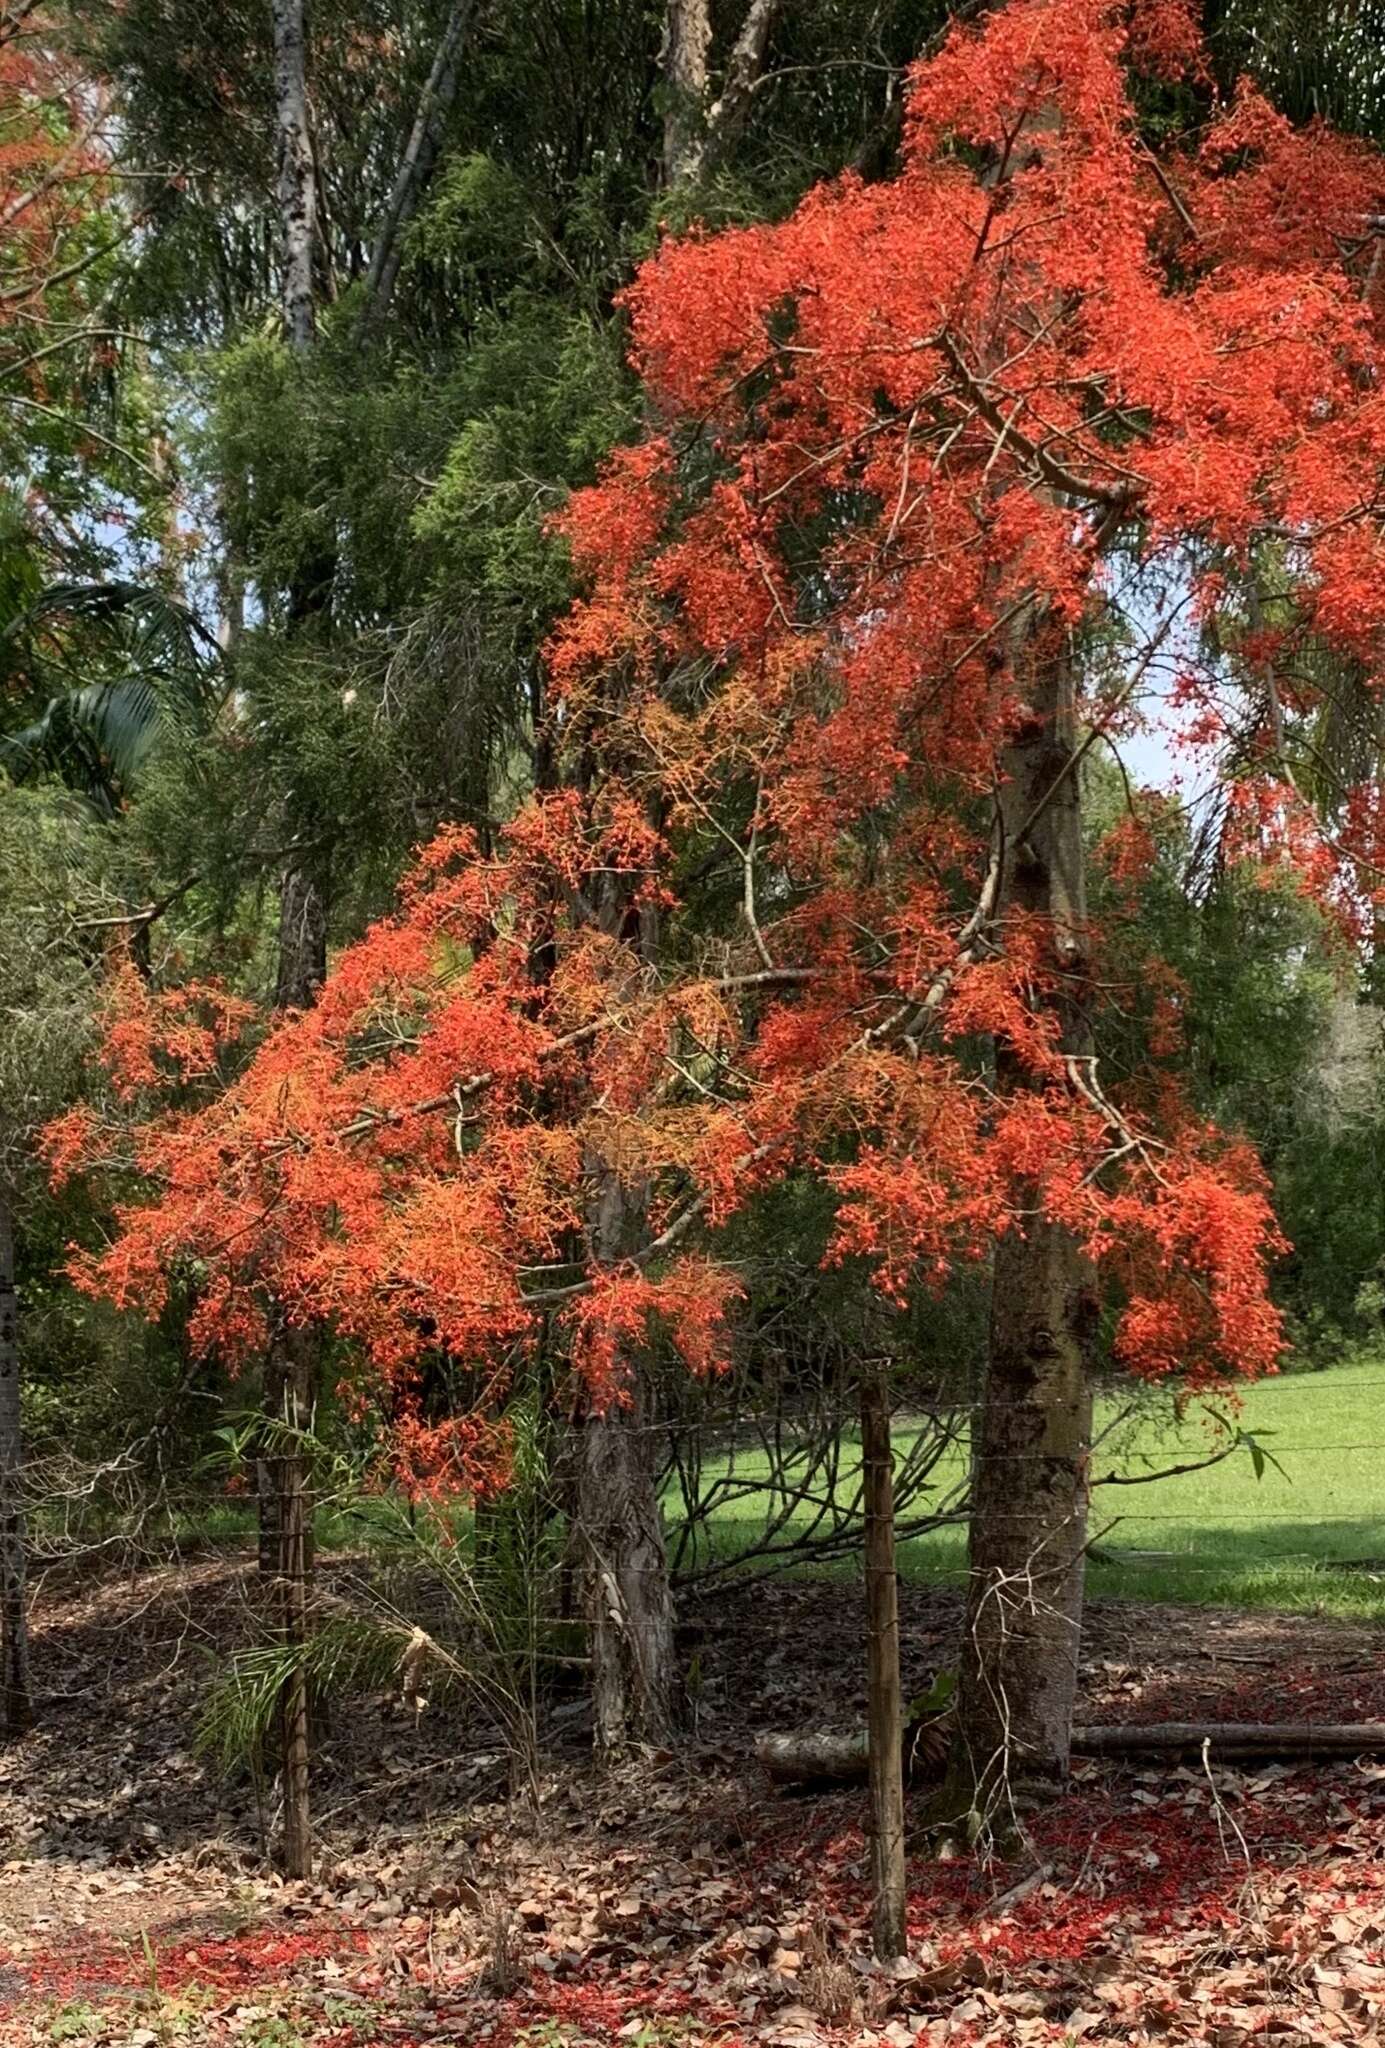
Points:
831	1756
1231	1739
822	1757
816	1756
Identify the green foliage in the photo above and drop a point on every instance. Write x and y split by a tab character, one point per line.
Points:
57	869
543	396
1314	58
74	2021
1263	984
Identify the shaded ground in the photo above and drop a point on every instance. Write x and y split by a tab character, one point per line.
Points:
681	1899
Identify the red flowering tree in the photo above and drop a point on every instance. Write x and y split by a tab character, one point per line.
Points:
939	472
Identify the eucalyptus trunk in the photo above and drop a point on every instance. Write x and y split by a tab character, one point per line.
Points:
698	131
687	42
418	164
302	895
297	185
16	1703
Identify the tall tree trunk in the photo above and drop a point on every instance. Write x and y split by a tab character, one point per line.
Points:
302	937
696	134
297	187
687	41
1033	1435
16	1703
417	165
302	899
285	1527
885	1691
628	1597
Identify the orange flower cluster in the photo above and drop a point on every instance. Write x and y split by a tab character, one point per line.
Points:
53	165
906	446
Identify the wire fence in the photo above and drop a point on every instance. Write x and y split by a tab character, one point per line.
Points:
805	1510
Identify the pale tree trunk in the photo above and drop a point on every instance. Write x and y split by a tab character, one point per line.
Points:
297	187
698	134
16	1704
230	601
885	1718
1018	1678
302	900
687	41
620	1536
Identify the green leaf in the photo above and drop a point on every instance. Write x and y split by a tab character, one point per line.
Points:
938	1696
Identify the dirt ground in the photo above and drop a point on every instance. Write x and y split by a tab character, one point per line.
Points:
682	1899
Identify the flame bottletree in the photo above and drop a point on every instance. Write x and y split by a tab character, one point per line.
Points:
937	473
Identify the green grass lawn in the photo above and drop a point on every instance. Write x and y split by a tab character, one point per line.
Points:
1302	1536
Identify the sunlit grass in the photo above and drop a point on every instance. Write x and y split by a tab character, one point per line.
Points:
1301	1534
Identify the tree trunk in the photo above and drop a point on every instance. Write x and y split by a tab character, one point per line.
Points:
886	1696
629	1602
16	1704
302	898
417	165
285	1512
730	110
1028	1522
620	1533
297	187
696	135
687	40
1018	1676
302	938
620	1537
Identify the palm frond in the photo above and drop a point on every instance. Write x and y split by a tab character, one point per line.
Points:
157	671
349	1654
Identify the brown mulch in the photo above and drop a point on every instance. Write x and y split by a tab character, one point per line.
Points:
680	1896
